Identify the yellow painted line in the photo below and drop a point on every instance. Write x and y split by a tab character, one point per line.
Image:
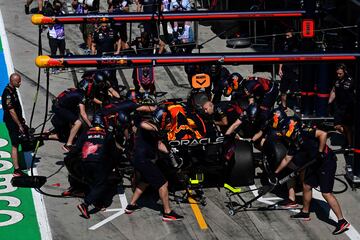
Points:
196	210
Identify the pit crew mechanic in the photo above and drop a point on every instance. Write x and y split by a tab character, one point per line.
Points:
69	108
306	144
13	118
343	96
95	146
147	143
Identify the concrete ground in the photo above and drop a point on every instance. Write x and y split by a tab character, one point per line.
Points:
258	223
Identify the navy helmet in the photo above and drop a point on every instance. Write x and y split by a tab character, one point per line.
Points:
97	121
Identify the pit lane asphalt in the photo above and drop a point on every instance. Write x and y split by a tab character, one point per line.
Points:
64	218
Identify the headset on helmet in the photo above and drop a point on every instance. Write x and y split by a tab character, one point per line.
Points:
98	121
215	68
133	96
107	73
251	112
86	86
88	74
278	118
158	115
250	85
148	99
123	118
99	77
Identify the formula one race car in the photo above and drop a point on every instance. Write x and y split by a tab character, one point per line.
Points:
205	156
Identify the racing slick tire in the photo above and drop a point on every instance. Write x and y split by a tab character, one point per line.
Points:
275	151
241	168
238	43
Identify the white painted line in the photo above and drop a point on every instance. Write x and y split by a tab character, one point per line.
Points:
113	210
352	233
261	199
112	217
269	201
41	214
273	198
123	200
120	211
6	47
7	55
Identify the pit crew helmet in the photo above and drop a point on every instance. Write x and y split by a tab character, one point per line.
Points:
98	121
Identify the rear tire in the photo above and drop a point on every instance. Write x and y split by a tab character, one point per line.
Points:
241	168
275	151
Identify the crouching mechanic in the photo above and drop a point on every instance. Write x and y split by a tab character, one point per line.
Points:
69	109
306	144
95	145
147	144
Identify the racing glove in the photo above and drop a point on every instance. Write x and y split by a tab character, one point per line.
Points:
273	178
175	162
320	156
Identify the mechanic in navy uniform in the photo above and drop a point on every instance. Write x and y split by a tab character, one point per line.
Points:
288	72
219	76
120	29
104	91
104	41
69	109
307	144
147	145
343	96
224	114
263	92
95	146
13	118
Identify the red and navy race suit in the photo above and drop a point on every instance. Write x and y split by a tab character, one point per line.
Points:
321	173
218	80
10	100
109	113
145	154
231	110
264	92
66	105
95	146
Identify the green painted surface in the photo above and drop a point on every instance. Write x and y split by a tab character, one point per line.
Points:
28	227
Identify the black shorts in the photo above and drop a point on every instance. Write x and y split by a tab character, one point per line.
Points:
14	133
121	32
56	44
343	115
66	116
150	173
288	85
323	174
270	97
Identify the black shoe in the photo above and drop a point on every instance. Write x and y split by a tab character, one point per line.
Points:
27	9
67	148
19	173
287	203
172	216
341	227
84	210
301	216
131	208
